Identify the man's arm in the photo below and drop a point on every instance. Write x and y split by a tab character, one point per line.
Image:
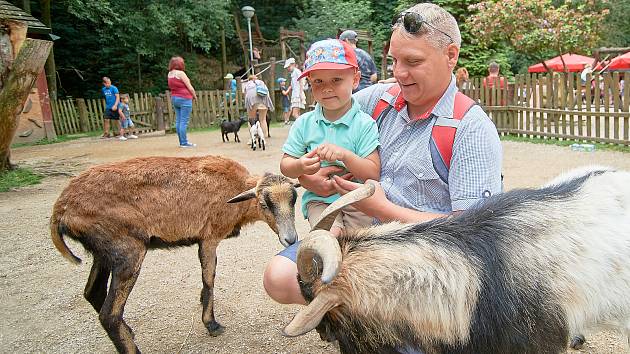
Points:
380	207
115	106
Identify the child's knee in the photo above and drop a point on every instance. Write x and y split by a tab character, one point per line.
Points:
280	280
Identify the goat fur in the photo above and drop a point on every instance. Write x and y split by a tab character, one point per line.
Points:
257	135
232	127
118	211
517	273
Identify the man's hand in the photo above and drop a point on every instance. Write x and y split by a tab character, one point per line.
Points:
309	163
370	206
114	108
320	183
331	152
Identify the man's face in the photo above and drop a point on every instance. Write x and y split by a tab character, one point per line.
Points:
422	71
107	83
333	88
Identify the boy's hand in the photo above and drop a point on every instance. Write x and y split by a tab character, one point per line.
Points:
331	153
309	163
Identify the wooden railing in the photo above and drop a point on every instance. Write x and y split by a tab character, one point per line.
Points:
560	106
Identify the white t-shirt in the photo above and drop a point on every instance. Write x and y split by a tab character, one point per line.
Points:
296	92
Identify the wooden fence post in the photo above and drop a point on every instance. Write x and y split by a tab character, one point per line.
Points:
159	112
83	115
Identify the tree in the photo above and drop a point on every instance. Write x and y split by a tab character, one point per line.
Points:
320	19
540	28
21	61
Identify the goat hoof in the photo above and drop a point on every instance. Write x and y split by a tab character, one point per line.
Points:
577	342
214	328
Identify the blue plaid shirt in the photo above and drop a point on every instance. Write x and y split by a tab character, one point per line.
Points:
407	173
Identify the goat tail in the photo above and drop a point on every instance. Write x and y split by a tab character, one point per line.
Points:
56	233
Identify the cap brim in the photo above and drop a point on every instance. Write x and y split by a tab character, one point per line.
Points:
327	66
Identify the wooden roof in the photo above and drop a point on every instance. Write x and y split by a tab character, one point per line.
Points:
10	12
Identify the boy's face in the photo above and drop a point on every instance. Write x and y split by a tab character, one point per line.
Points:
333	88
125	99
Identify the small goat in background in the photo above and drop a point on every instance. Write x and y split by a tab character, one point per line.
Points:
257	134
232	127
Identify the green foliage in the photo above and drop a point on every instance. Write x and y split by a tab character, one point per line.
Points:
539	28
616	31
320	19
18	177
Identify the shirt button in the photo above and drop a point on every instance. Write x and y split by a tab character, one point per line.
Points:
408	127
420	174
387	179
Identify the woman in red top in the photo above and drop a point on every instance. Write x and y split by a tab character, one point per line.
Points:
182	95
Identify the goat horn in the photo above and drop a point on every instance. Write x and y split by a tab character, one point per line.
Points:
322	246
329	214
312	315
248	194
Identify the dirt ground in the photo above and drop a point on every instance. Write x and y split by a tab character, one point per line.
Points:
42	307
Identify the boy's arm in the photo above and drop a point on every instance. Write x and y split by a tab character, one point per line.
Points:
293	167
364	168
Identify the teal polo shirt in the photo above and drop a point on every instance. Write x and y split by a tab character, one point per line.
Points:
355	131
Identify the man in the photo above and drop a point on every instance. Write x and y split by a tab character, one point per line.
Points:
366	63
297	90
112	98
425	45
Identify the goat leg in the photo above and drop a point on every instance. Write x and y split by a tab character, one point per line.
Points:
208	259
96	286
236	137
124	276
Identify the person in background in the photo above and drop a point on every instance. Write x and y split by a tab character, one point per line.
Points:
232	86
494	81
112	98
126	123
182	96
286	102
257	103
256	55
366	63
462	79
296	87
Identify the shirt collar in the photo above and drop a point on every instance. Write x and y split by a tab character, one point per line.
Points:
345	119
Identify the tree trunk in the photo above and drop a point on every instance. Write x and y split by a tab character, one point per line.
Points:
20	75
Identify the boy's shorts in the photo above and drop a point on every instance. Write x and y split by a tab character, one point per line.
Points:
348	219
296	102
127	123
109	114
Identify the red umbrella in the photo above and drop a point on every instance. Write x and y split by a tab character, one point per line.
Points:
621	62
574	63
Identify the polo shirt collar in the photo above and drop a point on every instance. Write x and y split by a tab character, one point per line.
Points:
346	119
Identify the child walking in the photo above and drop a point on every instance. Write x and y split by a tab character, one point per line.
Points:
125	119
286	101
336	133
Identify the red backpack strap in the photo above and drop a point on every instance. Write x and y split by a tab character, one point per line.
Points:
443	135
383	103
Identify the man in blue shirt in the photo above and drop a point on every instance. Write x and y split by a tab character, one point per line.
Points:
112	98
366	63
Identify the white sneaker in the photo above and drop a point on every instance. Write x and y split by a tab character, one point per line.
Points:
122	138
188	145
131	136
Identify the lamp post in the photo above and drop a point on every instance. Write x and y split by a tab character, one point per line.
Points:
248	12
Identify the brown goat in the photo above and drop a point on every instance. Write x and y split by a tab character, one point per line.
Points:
118	211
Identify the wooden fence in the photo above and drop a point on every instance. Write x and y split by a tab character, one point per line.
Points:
560	106
72	116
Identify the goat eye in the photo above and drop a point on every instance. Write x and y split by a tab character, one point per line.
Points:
264	206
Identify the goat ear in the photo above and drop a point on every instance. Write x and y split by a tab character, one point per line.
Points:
327	218
307	319
248	194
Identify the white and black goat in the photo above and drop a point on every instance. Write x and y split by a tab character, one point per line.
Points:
120	210
257	135
518	273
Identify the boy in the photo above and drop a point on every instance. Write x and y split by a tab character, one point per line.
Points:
125	119
286	102
337	132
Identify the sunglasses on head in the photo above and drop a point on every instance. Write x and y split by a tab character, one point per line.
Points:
412	22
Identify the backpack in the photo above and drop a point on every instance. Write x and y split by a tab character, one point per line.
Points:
444	129
261	89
